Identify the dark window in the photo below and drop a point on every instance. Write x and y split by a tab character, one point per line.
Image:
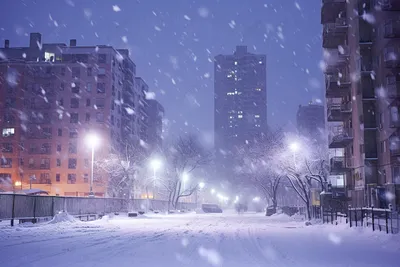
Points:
102	58
6	162
74	103
58	147
58	177
74	118
88	102
112	119
88	87
58	162
76	72
100	117
73	133
100	102
86	162
75	88
62	71
101	88
89	71
59	132
71	163
71	178
86	178
87	118
62	86
7	148
61	102
73	148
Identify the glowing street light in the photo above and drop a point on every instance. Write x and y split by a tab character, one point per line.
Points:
202	185
185	177
92	141
18	183
294	147
256	199
155	164
212	191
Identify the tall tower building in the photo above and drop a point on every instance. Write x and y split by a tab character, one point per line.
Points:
52	96
362	52
311	121
240	99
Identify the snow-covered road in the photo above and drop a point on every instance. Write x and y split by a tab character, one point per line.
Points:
195	240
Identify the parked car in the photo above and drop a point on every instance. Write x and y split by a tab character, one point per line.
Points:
211	208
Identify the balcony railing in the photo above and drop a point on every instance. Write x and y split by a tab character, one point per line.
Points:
393	90
392	29
338	112
389	5
337	86
340	137
394	123
338	165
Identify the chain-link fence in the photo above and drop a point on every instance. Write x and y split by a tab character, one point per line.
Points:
14	206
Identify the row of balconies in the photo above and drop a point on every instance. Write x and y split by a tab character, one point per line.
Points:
339	112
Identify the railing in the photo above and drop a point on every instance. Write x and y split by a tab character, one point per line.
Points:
395	152
340	23
13	206
393	90
338	163
333	1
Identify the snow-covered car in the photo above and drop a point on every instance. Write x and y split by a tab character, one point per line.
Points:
211	208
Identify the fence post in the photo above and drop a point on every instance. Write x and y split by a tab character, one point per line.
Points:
373	218
331	216
53	213
362	217
386	220
34	208
350	216
391	218
13	211
356	214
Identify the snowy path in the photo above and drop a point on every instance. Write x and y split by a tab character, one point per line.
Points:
195	240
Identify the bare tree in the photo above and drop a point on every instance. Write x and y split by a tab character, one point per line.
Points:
122	166
257	158
183	159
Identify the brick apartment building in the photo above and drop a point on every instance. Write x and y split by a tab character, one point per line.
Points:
362	52
51	97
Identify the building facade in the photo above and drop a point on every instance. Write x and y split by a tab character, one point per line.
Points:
240	98
51	97
155	127
362	50
311	121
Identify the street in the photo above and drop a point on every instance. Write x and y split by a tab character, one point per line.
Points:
195	240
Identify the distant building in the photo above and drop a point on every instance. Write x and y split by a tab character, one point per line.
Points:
240	98
311	121
53	95
240	104
155	127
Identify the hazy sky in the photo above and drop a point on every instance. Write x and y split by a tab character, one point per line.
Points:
173	43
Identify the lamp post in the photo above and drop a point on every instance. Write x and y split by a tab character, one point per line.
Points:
155	164
294	147
92	141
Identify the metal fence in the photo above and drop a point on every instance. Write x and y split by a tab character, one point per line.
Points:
386	220
14	206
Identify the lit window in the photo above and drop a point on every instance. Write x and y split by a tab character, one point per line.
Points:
229	76
258	89
235	62
8	132
260	62
230	117
256	116
49	57
240	116
240	112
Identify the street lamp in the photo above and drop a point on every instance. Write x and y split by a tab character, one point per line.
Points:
202	185
92	141
294	147
155	164
212	191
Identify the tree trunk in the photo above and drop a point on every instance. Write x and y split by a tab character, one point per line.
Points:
308	210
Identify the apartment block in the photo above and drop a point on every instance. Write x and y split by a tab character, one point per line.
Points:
52	95
311	121
361	50
240	103
155	127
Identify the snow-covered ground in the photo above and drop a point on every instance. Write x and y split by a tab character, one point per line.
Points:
194	240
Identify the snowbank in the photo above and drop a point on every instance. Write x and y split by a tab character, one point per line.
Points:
63	217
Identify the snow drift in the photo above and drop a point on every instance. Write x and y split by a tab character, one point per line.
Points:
62	217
